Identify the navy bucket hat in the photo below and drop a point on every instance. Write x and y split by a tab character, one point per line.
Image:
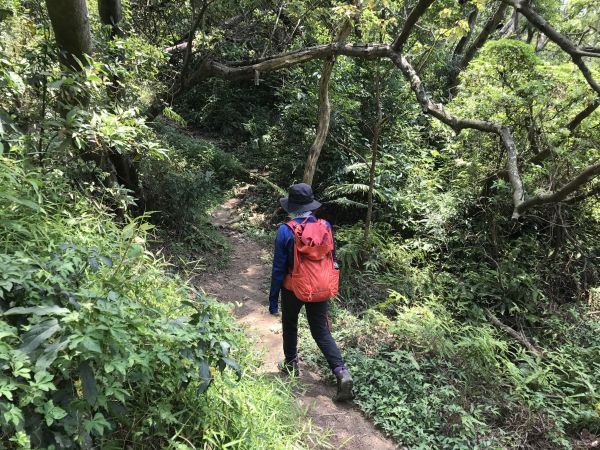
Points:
300	199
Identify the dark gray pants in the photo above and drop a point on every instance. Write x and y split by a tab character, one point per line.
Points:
316	313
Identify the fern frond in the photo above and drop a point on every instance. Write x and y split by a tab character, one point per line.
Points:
346	203
346	189
351	189
356	167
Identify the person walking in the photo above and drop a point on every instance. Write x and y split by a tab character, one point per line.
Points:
308	241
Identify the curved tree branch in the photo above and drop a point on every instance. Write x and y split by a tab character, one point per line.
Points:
414	15
462	43
437	110
559	39
583	114
487	30
324	108
458	124
246	70
595	191
588	174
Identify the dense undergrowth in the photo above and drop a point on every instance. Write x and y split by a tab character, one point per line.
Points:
102	343
101	347
433	371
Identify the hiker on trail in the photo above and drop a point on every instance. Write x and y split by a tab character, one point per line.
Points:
305	271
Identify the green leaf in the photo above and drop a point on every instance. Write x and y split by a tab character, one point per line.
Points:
223	362
6	388
56	84
51	412
204	371
98	424
16	82
106	261
128	231
91	344
50	354
36	310
135	251
71	116
224	348
88	383
14	415
21	201
43	381
38	334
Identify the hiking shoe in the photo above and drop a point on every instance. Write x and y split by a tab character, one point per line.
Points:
289	367
344	385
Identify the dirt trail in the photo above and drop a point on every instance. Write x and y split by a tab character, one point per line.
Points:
246	280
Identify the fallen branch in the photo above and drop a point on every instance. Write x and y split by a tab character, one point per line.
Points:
520	337
247	69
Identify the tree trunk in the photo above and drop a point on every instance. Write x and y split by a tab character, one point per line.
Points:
323	126
488	28
511	25
71	27
187	57
110	12
462	43
324	108
541	42
374	149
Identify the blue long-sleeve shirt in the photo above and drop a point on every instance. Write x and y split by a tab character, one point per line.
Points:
283	259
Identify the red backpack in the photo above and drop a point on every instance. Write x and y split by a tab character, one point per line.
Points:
314	277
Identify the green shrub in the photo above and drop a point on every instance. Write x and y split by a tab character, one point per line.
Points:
99	347
182	189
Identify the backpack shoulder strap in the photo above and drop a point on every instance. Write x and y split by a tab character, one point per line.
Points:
293	225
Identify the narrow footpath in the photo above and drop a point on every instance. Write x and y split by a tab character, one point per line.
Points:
246	281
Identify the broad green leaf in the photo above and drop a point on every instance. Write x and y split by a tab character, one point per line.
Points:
37	310
224	362
98	424
13	415
88	383
50	354
39	334
205	376
224	348
21	201
51	412
91	344
43	381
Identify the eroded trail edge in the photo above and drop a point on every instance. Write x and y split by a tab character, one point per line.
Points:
245	282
